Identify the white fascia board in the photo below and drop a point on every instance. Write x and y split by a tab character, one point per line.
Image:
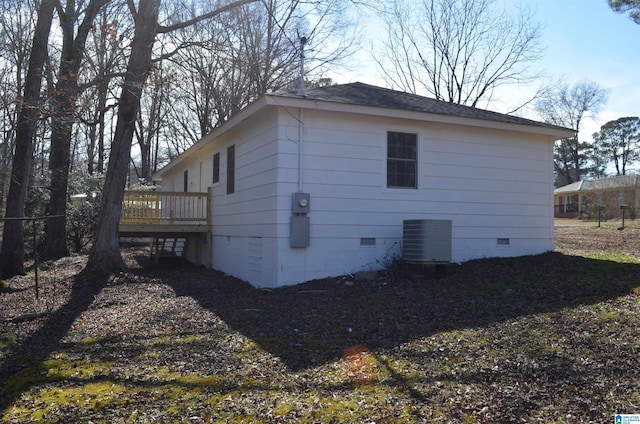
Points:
552	133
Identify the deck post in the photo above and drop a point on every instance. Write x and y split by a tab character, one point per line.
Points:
156	209
209	235
162	214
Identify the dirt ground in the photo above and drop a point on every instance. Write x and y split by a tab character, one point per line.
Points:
577	237
544	338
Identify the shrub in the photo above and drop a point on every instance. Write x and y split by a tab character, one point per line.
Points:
81	222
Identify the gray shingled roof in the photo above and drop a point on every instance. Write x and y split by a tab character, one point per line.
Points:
570	188
369	95
617	182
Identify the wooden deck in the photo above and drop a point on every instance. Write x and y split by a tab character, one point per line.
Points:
164	213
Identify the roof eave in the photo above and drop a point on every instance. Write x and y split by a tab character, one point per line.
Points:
554	133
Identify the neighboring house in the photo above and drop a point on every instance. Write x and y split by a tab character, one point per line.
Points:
584	198
310	187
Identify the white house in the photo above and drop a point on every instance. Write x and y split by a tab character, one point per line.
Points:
318	186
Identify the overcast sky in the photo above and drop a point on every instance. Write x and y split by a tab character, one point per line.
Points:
583	39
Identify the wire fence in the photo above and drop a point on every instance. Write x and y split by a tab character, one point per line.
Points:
34	220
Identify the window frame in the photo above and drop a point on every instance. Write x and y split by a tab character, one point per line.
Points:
231	169
185	181
399	159
216	168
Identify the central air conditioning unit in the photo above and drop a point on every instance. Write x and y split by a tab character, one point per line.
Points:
426	241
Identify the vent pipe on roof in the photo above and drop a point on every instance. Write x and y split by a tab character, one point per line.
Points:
303	41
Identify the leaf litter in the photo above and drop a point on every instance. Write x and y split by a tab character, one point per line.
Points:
545	338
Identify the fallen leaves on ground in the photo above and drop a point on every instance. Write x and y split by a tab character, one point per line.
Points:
545	338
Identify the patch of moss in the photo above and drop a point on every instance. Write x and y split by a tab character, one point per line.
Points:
42	405
634	399
175	339
59	369
187	339
89	340
152	354
160	340
7	339
61	356
18	383
282	409
613	315
94	396
53	370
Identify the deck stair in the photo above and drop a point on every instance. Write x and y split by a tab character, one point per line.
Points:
167	247
169	220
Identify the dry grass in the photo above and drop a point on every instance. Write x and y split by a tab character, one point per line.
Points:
546	338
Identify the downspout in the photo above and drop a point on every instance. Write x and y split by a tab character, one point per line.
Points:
300	150
303	94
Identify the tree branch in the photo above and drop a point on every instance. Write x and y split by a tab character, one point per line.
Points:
175	51
166	29
132	8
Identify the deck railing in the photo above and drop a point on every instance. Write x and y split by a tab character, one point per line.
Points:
164	207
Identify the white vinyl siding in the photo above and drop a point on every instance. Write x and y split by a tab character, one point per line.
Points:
492	184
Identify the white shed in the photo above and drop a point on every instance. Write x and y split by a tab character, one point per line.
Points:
317	186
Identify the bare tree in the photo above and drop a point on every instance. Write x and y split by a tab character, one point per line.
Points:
17	22
12	254
104	64
459	51
154	107
568	106
255	49
64	102
104	256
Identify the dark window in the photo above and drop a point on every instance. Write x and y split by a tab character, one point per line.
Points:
186	181
231	169
402	164
216	168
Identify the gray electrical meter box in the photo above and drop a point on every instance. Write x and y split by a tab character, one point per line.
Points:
300	222
301	203
300	234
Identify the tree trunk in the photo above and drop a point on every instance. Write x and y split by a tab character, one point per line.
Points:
145	156
12	254
66	93
101	129
61	129
105	256
91	146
